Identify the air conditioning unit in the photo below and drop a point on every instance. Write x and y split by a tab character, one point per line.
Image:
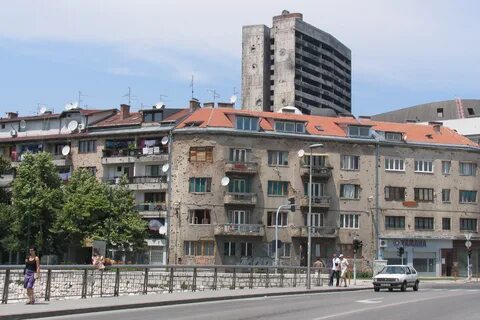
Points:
382	243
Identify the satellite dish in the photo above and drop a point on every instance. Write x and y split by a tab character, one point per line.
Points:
301	153
72	125
159	105
13	133
71	105
43	110
233	99
23	124
165	167
165	140
66	150
22	157
162	230
225	181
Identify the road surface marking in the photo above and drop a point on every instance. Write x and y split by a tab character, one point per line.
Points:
375	300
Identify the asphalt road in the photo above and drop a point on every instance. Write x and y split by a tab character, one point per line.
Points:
439	302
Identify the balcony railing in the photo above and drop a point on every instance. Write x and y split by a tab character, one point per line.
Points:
242	167
318	232
317	202
137	180
151	206
240	198
231	229
318	172
58	159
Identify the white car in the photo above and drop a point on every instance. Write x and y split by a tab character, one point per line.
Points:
396	276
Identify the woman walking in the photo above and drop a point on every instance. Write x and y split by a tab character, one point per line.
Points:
32	272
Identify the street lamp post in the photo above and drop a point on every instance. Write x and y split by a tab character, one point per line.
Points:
309	216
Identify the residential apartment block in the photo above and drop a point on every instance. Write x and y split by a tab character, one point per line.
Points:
295	64
417	183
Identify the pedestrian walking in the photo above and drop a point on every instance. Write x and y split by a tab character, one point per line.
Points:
335	270
31	272
343	269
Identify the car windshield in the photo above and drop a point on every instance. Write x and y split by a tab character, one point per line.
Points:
393	270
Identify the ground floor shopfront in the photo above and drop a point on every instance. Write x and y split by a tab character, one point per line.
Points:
432	257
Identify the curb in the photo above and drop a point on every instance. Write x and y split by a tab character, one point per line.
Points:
56	313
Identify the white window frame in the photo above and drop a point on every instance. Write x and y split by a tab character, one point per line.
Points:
446	166
444	197
239	216
350	221
424	166
356	191
282	219
463	198
239	155
393	136
278	158
358	132
318	219
229	252
471	171
348	162
394	164
246	247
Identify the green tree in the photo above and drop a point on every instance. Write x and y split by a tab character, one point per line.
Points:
36	201
4	192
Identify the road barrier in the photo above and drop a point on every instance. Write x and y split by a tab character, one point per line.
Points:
82	281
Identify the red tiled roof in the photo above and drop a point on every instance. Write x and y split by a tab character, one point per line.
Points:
90	112
65	136
326	126
26	118
177	115
135	118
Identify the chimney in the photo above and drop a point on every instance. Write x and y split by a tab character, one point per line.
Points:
209	105
124	111
226	105
436	126
194	104
12	115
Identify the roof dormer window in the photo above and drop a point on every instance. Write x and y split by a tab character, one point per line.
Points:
290	126
393	136
247	123
152	116
359	132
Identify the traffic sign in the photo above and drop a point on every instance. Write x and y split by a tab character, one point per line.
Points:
468	243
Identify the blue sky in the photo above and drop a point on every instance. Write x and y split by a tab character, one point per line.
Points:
403	52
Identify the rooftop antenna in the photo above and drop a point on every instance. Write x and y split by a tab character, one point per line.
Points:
215	94
80	96
130	96
41	107
191	85
233	98
161	96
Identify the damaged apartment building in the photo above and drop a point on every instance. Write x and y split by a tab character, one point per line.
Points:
389	185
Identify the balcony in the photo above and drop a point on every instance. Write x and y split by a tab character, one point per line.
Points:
317	202
62	161
152	154
148	154
229	229
241	167
141	182
152	210
317	232
317	172
248	199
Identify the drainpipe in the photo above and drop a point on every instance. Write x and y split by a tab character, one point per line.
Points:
377	200
169	195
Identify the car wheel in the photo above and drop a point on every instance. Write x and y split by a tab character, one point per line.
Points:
403	287
390	289
376	289
415	286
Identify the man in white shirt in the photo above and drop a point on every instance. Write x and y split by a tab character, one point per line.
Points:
335	270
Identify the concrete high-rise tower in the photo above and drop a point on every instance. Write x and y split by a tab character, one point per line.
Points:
295	64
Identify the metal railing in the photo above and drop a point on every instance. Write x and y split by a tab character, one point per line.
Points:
82	281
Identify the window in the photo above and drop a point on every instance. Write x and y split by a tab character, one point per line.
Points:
468	224
282	218
247	123
318	219
349	221
154	197
350	162
394	164
423	194
246	249
277	158
446	165
357	131
394	193
239	155
393	136
45	125
318	189
393	222
91	170
199	216
200	185
155	116
470	111
446	224
87	146
439	112
445	195
199	248
422	223
229	249
201	154
239	186
350	191
318	161
289	126
277	188
153	170
468	196
283	251
424	166
239	217
468	169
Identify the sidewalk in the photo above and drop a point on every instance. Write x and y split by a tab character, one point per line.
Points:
77	306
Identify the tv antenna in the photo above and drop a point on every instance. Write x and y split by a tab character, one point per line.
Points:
191	85
215	94
130	96
80	96
161	96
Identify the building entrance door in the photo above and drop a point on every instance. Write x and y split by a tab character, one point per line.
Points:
447	258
